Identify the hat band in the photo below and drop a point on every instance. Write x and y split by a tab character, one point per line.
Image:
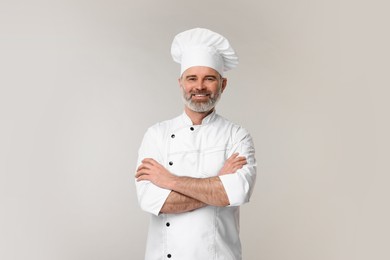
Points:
201	57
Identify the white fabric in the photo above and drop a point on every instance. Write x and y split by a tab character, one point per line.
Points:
209	233
202	47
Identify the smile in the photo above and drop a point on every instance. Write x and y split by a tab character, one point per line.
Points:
200	95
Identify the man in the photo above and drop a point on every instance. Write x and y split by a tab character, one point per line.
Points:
195	170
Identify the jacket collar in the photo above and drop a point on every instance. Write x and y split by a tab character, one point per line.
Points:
208	119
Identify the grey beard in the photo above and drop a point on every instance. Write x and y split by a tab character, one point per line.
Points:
202	107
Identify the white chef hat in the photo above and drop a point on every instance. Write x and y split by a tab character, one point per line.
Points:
202	47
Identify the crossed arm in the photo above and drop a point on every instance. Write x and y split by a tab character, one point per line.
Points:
188	193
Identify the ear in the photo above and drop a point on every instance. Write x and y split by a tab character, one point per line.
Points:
179	81
224	84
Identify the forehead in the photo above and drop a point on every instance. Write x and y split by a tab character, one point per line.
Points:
200	71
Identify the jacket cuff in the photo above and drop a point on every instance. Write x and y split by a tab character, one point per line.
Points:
236	188
153	198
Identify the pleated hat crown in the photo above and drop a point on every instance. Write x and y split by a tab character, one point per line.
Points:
202	47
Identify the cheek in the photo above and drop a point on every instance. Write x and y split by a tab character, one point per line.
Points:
214	88
186	88
184	92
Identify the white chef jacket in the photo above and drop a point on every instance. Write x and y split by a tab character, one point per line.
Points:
199	151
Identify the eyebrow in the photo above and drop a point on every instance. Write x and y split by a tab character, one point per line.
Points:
206	76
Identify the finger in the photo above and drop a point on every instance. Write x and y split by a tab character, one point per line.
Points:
143	167
143	178
147	161
241	163
235	163
141	173
152	162
138	174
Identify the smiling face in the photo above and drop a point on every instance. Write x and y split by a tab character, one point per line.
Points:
202	88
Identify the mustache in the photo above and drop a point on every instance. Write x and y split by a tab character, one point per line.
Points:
200	93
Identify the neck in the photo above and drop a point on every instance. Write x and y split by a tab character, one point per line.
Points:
197	117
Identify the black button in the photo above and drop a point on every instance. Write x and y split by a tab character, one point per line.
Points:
172	136
192	129
167	224
169	255
171	163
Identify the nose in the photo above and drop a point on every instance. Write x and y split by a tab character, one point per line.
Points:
200	85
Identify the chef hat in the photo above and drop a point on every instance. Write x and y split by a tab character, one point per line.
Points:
202	47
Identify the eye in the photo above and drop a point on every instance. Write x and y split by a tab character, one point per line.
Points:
191	78
210	78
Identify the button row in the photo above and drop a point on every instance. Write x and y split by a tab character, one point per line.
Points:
168	224
191	128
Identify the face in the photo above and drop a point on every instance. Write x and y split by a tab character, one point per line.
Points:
202	88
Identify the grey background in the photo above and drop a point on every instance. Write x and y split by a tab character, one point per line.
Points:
82	80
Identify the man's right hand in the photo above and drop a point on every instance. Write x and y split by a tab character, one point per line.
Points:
232	164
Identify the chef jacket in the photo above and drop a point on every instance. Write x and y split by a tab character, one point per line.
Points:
199	151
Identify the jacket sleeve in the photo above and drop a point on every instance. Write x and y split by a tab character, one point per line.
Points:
150	197
239	186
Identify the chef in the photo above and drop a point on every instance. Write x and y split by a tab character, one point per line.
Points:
194	171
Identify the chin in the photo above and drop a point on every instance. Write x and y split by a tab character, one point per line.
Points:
201	109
